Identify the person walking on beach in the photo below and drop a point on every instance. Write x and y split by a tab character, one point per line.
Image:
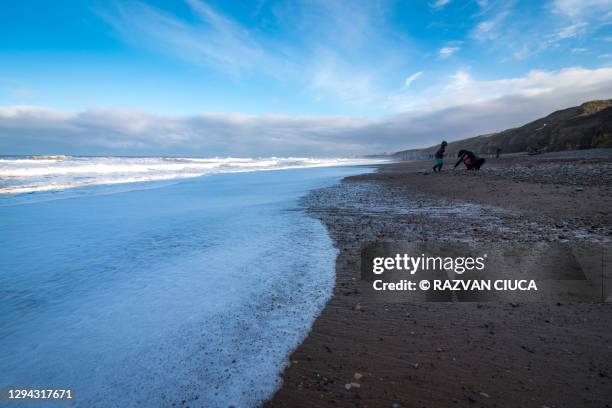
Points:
471	161
440	157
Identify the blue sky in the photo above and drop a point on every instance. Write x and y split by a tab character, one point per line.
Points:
328	77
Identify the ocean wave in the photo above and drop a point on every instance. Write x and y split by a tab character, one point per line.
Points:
31	174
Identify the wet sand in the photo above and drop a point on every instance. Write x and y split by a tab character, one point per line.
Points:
459	354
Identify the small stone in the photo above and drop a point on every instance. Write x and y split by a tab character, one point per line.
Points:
527	349
355	385
358	376
347	386
484	394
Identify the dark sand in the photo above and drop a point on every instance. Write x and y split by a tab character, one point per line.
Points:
459	354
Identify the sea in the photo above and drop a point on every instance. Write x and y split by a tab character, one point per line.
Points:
160	281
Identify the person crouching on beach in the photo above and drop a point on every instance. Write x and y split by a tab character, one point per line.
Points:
471	161
439	156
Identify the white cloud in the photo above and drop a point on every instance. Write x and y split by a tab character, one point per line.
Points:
560	23
576	8
446	52
212	40
579	18
462	89
489	29
345	50
571	31
463	106
412	78
111	131
439	4
331	75
484	28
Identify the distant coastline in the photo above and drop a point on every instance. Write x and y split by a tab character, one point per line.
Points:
588	126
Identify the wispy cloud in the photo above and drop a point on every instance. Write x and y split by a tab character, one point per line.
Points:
412	78
212	40
577	8
344	50
342	53
349	51
570	31
332	75
521	34
489	29
446	52
439	4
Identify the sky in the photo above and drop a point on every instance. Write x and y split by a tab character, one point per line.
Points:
289	78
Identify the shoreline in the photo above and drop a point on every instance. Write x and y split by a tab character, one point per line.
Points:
454	354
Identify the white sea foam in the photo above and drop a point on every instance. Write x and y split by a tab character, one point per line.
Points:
29	174
195	292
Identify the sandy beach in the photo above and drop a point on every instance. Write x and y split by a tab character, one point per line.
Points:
459	354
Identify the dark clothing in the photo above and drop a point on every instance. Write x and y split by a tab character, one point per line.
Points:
471	161
439	156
